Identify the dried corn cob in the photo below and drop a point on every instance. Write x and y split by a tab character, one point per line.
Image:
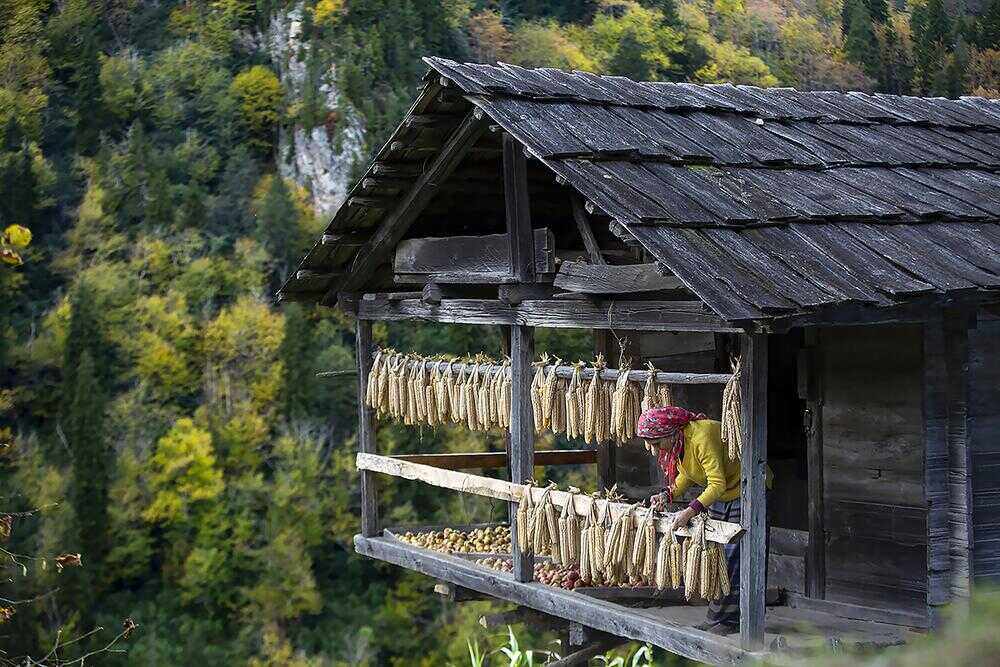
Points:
675	562
573	531
649	562
732	414
524	519
592	403
649	395
661	576
722	568
537	391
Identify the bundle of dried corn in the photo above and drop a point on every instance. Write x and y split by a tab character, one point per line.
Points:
732	414
626	406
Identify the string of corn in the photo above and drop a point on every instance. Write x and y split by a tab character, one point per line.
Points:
732	414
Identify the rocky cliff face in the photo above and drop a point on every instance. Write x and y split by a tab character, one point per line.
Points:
319	158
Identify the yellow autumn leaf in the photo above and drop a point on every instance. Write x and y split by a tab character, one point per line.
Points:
18	236
8	256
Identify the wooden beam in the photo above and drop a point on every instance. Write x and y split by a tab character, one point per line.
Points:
474	255
522	433
586	231
519	234
522	615
452	593
935	432
608	374
605	616
366	431
857	612
810	390
753	495
722	532
614	279
484	460
394	226
553	313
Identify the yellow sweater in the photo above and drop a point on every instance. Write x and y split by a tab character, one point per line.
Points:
706	463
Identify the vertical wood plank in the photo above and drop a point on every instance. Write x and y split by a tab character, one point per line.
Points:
935	432
366	431
515	184
810	390
753	496
960	506
522	432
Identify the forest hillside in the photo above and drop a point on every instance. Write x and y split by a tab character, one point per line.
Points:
173	159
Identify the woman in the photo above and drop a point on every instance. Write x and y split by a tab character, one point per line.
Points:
689	449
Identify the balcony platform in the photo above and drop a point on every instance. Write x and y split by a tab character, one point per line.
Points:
788	631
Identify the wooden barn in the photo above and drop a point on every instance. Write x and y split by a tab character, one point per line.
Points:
845	246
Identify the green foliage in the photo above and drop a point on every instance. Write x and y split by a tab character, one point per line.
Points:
153	391
260	100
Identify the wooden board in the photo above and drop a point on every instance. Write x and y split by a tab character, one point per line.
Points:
478	460
550	313
614	279
722	532
599	614
607	374
473	255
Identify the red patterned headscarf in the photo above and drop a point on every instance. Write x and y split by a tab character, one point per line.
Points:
667	423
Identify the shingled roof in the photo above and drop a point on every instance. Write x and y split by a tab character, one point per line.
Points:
764	202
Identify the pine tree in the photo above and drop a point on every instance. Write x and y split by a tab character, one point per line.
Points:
84	369
879	10
275	222
989	27
897	70
860	44
628	60
932	38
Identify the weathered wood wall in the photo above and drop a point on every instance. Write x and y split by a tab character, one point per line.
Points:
984	441
876	550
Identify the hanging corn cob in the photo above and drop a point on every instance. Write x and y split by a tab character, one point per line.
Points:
537	391
675	561
525	519
598	542
585	547
562	557
661	575
650	398
575	403
732	414
592	403
723	570
573	532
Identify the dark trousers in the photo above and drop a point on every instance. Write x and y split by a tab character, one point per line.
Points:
727	608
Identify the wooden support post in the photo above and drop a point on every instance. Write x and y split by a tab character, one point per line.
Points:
810	390
753	498
522	433
366	431
586	231
960	500
935	431
515	183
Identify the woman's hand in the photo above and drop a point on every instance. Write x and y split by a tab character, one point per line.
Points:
658	501
682	518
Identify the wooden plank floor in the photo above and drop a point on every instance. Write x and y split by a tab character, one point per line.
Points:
795	631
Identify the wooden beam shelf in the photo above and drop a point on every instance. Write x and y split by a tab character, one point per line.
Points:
608	374
551	313
722	532
474	460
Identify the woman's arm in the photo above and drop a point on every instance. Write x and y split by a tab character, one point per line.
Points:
711	455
